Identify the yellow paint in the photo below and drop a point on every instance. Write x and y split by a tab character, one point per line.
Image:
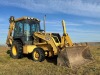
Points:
50	40
65	37
14	51
45	47
36	55
28	48
10	41
69	41
9	37
64	26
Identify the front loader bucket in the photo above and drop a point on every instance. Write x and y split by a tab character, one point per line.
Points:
74	56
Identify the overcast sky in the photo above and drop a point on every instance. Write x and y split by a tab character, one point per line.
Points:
82	16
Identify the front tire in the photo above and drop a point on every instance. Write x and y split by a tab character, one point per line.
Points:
38	54
16	50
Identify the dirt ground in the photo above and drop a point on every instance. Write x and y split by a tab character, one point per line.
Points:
26	66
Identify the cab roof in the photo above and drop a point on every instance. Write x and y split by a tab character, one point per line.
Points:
27	18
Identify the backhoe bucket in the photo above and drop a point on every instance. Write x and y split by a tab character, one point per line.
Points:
74	56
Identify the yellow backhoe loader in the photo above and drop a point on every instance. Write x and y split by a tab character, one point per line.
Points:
25	36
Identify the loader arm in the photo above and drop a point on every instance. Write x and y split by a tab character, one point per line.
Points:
65	40
72	55
11	28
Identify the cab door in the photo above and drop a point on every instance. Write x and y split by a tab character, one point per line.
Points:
18	30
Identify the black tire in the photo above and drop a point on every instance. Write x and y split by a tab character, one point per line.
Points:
41	54
18	50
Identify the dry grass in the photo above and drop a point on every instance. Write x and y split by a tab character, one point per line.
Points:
25	66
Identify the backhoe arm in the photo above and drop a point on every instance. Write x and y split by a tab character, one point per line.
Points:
11	28
65	40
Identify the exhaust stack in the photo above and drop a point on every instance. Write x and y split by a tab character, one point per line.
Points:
44	23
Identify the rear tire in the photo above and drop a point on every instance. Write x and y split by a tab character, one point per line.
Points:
38	54
16	50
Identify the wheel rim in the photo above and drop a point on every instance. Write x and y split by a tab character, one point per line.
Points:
36	55
14	50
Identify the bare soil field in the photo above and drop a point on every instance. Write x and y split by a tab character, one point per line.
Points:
26	66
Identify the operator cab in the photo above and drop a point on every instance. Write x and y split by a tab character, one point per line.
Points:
24	29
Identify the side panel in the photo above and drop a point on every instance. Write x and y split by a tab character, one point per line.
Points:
28	48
